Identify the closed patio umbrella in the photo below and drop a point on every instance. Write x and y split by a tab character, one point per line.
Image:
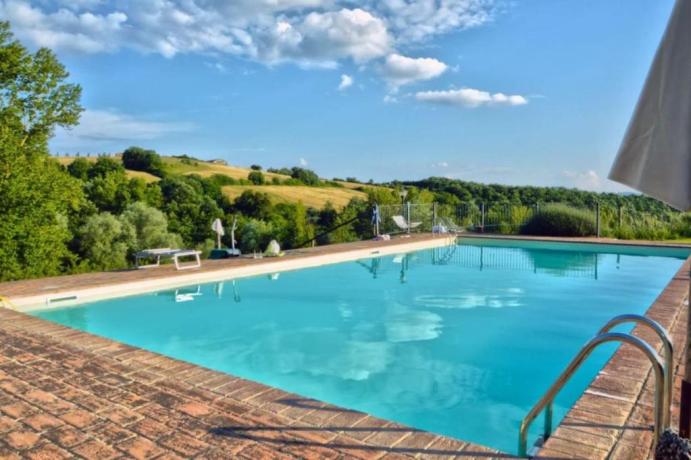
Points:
655	155
217	226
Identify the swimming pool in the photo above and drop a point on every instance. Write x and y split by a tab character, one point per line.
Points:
459	340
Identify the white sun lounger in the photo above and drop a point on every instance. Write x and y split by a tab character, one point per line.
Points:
403	224
175	254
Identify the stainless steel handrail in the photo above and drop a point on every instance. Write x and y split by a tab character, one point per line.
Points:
668	353
549	396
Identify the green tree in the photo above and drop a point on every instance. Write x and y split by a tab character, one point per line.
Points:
79	169
37	195
306	176
253	204
189	209
109	192
104	241
150	227
105	166
254	234
256	177
139	159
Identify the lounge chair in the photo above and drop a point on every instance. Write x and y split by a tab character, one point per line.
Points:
175	254
403	224
451	227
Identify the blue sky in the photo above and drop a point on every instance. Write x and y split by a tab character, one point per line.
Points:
516	92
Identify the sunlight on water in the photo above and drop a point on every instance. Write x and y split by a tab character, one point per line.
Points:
459	340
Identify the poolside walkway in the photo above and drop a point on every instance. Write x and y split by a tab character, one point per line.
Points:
60	284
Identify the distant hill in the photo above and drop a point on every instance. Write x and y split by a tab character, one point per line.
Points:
315	197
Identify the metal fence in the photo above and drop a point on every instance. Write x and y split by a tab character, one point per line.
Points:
505	218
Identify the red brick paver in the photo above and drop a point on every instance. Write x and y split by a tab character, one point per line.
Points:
71	394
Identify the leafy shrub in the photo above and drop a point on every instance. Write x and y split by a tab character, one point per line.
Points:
140	159
79	169
222	179
104	241
256	177
256	168
560	220
306	176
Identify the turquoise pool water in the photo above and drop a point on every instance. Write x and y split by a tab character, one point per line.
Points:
460	340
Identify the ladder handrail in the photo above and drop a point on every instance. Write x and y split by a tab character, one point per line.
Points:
587	349
668	353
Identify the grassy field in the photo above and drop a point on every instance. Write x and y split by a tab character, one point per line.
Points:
205	169
315	197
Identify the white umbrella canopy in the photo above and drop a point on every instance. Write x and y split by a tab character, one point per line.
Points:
655	155
217	226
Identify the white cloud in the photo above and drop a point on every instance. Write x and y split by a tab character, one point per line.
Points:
586	180
303	162
309	32
469	97
417	20
346	82
324	38
401	70
63	29
102	125
440	164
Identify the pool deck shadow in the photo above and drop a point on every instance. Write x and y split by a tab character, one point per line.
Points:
65	393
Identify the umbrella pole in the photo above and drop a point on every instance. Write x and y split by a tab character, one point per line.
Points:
685	405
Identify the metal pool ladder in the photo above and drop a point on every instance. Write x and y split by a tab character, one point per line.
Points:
663	376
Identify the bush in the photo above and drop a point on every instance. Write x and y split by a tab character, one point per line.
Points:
256	177
104	241
139	159
306	176
560	220
256	168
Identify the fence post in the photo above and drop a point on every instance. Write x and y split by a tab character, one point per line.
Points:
434	215
597	218
377	219
482	222
408	209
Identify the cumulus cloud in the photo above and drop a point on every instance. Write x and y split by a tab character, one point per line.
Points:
469	97
401	70
63	29
324	38
586	180
310	32
303	162
346	82
417	20
109	125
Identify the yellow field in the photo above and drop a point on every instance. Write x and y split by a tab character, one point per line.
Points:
205	169
313	197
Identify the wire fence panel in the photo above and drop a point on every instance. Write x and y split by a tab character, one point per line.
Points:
504	218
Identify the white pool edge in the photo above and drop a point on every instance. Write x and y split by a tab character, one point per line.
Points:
288	263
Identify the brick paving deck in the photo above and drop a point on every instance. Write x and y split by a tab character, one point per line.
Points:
66	393
58	284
